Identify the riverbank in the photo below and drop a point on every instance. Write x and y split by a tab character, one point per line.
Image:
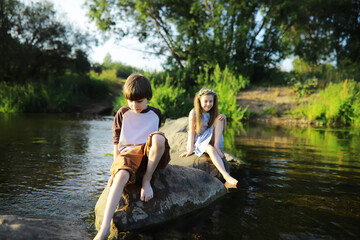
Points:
103	106
272	105
267	105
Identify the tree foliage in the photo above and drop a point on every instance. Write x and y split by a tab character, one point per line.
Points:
249	36
324	30
34	43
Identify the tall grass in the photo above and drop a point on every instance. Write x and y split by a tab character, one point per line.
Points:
337	103
57	94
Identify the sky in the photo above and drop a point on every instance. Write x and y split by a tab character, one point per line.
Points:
128	51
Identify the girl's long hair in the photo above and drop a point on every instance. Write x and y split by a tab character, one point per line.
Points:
198	110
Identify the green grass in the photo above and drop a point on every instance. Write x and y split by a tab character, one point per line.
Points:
271	111
339	103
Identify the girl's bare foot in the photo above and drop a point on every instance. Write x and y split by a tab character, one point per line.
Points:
228	185
230	180
146	193
101	235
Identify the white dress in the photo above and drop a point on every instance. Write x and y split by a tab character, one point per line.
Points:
203	140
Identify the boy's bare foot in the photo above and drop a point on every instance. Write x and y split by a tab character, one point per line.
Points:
146	193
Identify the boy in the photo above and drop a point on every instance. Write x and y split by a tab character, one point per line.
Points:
137	145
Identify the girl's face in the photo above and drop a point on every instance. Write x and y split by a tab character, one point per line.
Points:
206	102
138	105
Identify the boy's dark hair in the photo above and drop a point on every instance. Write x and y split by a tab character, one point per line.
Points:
136	87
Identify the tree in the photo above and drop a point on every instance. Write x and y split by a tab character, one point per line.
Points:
35	44
107	60
249	36
324	30
197	33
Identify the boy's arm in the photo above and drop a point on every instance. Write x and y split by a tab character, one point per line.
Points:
116	151
116	127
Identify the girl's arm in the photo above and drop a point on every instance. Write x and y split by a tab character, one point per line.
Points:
222	117
191	136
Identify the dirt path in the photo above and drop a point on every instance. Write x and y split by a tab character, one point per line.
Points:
271	104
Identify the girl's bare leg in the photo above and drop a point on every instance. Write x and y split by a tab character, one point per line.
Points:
219	127
215	158
116	190
156	151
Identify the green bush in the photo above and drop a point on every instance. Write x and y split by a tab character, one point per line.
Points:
172	101
122	70
305	88
119	102
227	86
105	75
324	73
271	111
337	103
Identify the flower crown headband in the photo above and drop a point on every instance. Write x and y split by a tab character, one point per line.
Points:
207	90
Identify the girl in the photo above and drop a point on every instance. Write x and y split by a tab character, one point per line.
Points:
206	129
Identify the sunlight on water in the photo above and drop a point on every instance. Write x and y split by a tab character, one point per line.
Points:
296	183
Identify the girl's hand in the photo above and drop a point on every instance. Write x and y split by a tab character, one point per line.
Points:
186	154
221	117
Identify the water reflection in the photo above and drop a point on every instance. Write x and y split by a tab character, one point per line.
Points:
304	181
298	183
52	165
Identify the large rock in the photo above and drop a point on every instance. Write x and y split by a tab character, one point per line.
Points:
15	227
185	185
177	191
176	133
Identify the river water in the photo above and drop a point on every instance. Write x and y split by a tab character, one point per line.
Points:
296	183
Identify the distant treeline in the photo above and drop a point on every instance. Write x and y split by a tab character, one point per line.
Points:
35	44
43	61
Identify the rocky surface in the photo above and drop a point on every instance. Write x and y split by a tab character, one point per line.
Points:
176	133
177	191
187	184
20	228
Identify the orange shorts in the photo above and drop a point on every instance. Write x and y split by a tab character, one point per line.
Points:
135	159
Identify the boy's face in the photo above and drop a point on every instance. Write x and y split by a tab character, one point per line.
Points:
206	102
137	105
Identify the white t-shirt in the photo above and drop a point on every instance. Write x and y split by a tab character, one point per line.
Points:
131	129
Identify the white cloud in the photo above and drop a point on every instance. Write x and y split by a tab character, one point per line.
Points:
286	65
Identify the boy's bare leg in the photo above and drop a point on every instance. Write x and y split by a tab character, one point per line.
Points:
215	158
116	190
156	151
219	127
